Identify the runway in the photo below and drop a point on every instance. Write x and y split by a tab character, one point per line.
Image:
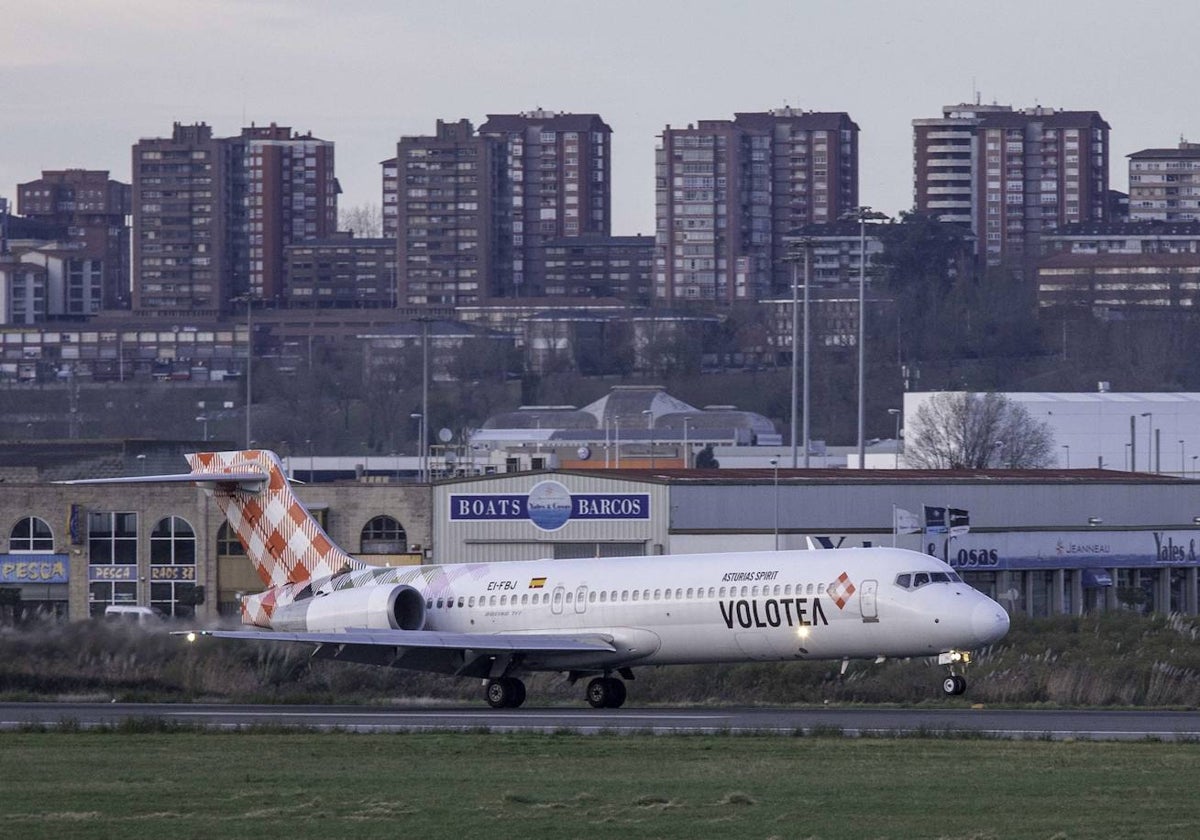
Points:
849	722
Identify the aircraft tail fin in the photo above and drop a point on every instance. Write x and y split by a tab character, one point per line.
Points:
281	537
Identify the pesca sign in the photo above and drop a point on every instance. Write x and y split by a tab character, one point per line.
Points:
35	568
549	505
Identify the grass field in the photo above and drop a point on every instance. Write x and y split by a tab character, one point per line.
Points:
298	785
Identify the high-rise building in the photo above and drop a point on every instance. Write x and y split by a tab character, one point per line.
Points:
212	216
728	192
284	192
391	197
93	212
447	233
556	181
1164	184
1011	175
181	206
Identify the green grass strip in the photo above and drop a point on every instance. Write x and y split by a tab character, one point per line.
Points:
187	784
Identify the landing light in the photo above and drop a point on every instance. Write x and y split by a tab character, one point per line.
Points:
802	632
191	637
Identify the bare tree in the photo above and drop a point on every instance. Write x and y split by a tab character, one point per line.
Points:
960	430
365	220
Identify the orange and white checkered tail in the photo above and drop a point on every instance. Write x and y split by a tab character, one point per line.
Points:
280	536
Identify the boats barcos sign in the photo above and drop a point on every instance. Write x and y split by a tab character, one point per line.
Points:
549	505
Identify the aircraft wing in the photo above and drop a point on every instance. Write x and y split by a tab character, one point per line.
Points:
464	654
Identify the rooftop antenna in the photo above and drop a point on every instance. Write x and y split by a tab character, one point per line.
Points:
974	90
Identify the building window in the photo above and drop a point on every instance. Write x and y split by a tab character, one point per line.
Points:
30	534
173	567
384	535
112	559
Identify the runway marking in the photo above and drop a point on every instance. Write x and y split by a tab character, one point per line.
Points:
527	717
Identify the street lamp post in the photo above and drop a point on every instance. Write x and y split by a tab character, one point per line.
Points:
862	214
775	468
1149	415
420	418
895	412
650	428
203	418
1182	461
687	449
249	301
1067	447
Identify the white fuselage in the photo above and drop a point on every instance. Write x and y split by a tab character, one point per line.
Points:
768	605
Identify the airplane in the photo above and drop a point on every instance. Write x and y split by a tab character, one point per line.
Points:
586	618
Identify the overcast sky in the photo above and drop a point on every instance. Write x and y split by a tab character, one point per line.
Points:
82	80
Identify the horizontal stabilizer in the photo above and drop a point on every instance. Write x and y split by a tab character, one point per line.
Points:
250	480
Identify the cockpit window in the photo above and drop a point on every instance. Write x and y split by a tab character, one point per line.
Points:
915	580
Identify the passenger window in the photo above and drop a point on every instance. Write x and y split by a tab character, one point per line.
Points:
429	604
624	594
820	589
492	601
439	603
903	580
635	594
712	592
591	597
461	601
722	591
603	597
657	594
920	579
645	594
503	600
568	597
787	590
778	591
667	594
471	601
689	592
754	591
745	591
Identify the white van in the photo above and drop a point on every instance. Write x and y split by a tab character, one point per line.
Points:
134	614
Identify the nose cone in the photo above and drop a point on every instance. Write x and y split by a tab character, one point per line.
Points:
989	622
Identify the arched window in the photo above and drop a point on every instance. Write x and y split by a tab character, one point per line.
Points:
173	566
31	534
384	535
228	544
172	541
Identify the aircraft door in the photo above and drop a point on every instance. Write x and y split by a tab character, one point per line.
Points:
581	599
867	600
556	600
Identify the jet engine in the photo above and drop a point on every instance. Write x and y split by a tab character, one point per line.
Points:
375	607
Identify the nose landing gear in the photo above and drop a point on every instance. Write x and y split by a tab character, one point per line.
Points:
955	684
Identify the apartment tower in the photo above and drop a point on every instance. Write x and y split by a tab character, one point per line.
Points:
729	192
1011	175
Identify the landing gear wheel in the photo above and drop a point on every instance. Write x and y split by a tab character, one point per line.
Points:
954	685
617	697
505	693
605	693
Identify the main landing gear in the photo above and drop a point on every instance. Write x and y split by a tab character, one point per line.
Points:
504	693
605	693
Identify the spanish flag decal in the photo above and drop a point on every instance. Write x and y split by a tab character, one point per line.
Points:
537	583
